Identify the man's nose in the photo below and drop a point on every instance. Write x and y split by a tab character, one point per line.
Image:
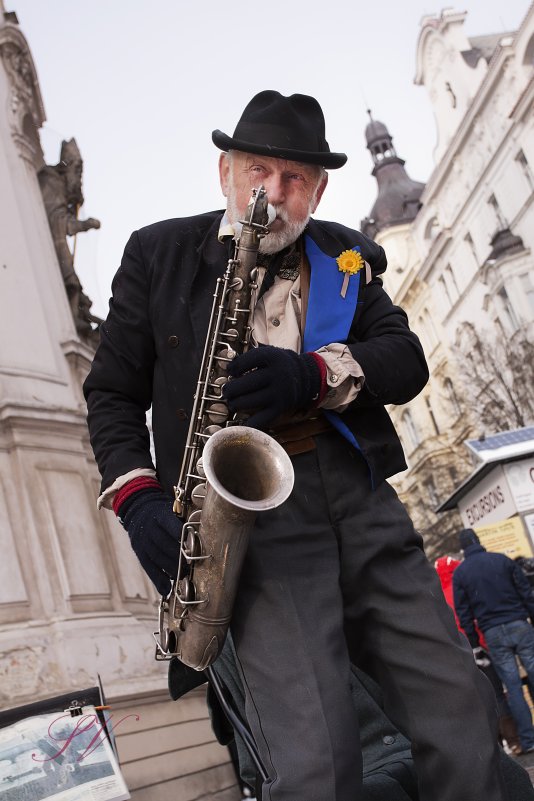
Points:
274	186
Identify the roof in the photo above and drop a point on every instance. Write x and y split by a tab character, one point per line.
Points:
398	196
503	444
483	47
375	130
501	448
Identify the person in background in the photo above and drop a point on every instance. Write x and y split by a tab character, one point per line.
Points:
492	593
445	567
526	564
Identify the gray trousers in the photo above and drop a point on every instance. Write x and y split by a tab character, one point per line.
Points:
338	573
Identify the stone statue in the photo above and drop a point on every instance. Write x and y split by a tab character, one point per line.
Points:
61	187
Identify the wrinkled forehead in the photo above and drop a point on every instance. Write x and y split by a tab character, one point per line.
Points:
242	159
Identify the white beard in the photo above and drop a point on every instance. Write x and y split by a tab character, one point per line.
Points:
275	241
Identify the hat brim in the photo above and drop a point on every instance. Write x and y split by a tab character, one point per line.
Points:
331	161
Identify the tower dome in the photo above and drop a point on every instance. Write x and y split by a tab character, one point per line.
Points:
398	196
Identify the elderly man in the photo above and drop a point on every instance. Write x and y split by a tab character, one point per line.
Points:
336	572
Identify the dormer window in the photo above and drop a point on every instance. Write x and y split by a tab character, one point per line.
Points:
492	201
507	309
525	168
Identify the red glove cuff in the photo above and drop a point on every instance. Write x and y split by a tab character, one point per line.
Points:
321	364
136	484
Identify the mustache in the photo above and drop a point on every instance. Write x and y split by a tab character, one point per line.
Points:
281	213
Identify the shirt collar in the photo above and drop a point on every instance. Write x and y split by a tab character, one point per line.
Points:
227	229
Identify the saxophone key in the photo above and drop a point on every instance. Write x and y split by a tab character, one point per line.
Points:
217	412
198	494
232	334
186	591
218	385
192	548
225	355
209	430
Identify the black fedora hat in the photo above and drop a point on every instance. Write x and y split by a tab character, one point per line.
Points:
282	127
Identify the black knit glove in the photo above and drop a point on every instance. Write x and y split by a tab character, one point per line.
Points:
272	381
154	532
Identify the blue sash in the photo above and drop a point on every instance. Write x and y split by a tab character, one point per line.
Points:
329	315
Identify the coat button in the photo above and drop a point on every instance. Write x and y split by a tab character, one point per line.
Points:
181	414
173	341
388	739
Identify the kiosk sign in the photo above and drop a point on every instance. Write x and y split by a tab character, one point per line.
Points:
490	501
520	476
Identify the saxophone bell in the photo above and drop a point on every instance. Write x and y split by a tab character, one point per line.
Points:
247	472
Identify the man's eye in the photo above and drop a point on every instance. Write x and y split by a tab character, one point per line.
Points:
257	169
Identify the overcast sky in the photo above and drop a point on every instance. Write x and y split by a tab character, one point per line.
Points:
141	84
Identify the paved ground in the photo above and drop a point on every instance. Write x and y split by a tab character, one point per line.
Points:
527	762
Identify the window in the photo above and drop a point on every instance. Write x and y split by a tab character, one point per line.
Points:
451	396
432	416
525	168
411	428
471	245
451	282
527	285
431	491
452	96
432	228
430	327
529	52
507	309
425	331
501	220
445	289
421	333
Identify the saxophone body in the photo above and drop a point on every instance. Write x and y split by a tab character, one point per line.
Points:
229	473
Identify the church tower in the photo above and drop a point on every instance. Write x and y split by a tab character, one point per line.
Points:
397	202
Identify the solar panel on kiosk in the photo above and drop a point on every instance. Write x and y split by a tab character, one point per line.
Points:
502	439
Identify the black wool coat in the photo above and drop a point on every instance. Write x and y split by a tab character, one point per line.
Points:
152	343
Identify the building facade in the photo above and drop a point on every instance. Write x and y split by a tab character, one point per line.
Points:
460	257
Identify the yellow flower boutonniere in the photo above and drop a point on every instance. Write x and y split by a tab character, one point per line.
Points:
349	262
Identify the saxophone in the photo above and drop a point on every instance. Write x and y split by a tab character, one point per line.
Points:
229	472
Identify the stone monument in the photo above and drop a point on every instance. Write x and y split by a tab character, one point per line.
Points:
61	186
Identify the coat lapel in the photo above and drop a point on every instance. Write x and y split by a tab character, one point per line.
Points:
211	257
